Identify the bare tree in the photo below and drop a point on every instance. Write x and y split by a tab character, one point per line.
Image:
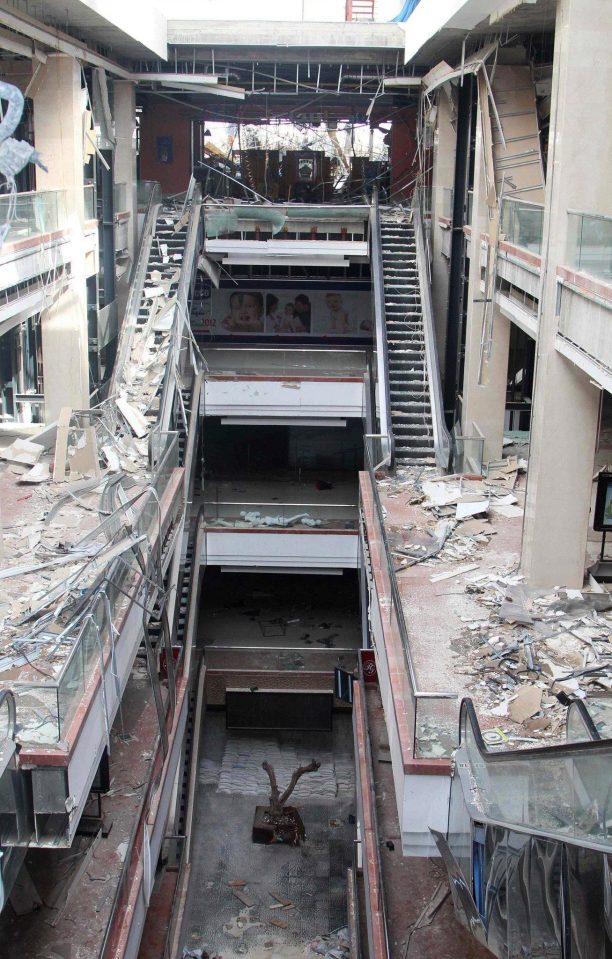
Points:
278	801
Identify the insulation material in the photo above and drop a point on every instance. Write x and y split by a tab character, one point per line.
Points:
516	147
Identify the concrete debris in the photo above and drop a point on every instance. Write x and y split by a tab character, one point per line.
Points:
40	473
22	451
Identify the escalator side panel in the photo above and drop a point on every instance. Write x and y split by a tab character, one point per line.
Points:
460	828
465	907
588	879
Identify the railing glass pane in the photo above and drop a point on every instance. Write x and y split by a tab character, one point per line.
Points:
32	214
522	223
590	244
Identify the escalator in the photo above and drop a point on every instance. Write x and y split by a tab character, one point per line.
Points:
409	401
529	843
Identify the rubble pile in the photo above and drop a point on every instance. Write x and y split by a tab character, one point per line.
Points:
336	945
531	647
521	648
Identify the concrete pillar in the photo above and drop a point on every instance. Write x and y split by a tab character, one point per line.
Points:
58	133
443	178
484	384
124	112
564	424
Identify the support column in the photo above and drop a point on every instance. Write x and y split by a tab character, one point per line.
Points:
58	132
484	384
124	103
565	417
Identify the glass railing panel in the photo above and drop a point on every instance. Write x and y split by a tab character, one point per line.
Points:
89	196
72	682
590	244
600	711
402	677
144	190
470	207
436	730
447	203
293	362
522	224
120	197
269	658
32	214
37	712
468	454
576	729
226	514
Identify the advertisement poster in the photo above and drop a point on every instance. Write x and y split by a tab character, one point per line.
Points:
282	312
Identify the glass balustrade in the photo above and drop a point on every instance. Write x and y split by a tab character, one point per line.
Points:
44	710
294	362
32	214
590	244
431	717
257	515
89	197
522	223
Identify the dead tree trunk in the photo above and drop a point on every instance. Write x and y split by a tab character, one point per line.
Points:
278	801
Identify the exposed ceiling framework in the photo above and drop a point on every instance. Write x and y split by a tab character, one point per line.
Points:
280	91
518	25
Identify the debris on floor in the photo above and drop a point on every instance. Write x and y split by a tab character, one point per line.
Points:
336	945
520	649
80	503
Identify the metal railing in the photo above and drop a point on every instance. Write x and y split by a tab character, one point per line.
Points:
441	436
380	331
426	711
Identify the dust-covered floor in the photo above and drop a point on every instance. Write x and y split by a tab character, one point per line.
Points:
312	877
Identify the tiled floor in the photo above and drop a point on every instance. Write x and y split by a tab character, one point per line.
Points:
312	876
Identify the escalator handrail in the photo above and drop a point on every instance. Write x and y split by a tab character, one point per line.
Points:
380	329
181	318
7	696
442	439
467	713
192	435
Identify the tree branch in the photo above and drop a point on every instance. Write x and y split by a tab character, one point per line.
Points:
274	790
310	768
